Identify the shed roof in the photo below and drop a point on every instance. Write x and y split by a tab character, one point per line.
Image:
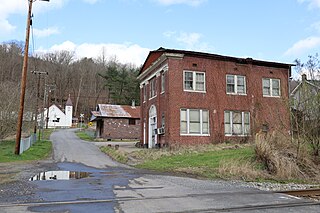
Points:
117	111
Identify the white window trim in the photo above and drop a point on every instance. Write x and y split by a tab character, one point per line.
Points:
163	87
194	82
270	81
201	123
144	92
236	85
242	123
153	80
164	68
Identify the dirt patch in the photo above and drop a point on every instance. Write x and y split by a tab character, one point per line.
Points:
14	179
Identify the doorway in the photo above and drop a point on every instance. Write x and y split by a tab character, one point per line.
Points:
152	127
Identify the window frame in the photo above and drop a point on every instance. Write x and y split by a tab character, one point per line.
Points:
152	88
236	85
132	121
144	90
271	88
163	81
245	126
194	81
201	122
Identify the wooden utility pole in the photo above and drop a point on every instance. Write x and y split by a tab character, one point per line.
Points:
39	73
50	89
23	80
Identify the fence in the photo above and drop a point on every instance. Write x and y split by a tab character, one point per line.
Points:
26	143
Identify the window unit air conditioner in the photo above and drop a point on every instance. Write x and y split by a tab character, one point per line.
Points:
160	131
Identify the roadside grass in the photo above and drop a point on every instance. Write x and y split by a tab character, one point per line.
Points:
83	135
226	161
117	155
208	164
46	134
40	150
88	136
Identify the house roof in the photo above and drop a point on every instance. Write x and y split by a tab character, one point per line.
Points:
154	55
311	83
116	111
293	84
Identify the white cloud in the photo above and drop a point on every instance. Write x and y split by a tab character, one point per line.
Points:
311	3
45	32
6	27
316	26
9	7
190	41
124	53
188	2
169	34
91	1
303	45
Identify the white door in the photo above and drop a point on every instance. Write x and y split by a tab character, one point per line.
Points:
152	127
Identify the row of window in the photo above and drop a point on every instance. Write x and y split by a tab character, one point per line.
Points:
196	122
236	84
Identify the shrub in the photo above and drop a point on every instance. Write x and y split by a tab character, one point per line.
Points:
279	156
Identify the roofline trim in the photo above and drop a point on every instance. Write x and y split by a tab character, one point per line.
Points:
182	53
160	60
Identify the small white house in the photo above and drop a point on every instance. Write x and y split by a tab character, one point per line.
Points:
58	118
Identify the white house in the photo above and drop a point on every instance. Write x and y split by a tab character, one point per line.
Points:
58	118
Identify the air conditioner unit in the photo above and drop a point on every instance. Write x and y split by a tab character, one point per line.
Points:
160	131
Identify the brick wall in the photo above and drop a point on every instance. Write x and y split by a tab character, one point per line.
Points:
119	128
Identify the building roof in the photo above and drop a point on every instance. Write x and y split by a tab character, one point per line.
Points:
312	83
69	102
116	111
154	55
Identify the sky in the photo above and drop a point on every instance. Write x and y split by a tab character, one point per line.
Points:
270	30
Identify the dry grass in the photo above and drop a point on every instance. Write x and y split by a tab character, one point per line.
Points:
279	155
243	170
154	154
6	178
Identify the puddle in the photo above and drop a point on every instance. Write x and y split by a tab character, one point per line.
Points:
60	175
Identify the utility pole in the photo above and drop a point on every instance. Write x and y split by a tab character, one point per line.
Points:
50	88
39	73
23	79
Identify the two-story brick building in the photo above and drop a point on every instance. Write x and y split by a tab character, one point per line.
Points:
192	97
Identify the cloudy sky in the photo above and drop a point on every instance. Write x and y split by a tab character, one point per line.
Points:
273	30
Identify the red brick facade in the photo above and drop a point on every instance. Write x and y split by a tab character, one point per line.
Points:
120	128
265	112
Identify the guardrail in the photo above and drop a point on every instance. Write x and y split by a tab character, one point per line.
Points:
26	143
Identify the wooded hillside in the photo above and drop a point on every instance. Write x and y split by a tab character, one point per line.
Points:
88	82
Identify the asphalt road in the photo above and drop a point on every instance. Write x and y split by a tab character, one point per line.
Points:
112	187
67	147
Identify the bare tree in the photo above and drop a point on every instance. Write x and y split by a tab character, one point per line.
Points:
306	105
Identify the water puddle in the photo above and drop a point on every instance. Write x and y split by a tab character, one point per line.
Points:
59	175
